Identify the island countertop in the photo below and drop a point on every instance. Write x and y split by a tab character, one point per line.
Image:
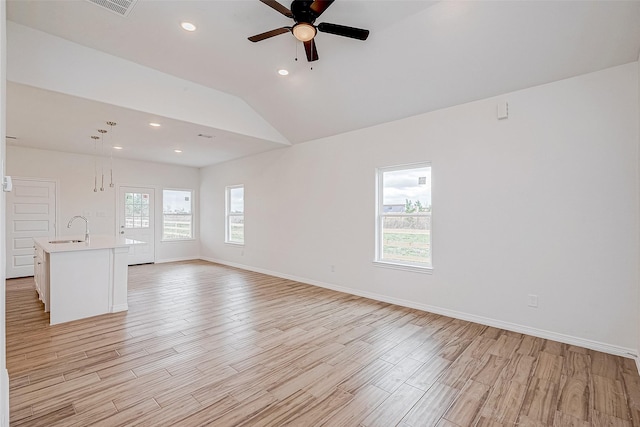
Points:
95	242
81	279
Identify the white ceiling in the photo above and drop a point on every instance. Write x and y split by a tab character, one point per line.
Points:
420	56
66	123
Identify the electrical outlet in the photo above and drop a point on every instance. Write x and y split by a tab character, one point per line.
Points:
532	300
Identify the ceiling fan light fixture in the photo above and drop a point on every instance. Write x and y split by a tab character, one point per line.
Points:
304	31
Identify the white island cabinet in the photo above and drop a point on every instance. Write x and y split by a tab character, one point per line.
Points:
78	280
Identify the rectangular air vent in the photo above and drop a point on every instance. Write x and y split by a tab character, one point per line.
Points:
202	135
120	7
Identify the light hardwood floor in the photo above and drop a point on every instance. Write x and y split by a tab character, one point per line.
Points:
205	344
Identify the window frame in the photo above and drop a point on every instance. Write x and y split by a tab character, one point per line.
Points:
191	200
228	215
379	216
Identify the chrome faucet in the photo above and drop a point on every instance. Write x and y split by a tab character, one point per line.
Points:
86	226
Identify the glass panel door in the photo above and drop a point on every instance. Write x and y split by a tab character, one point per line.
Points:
137	222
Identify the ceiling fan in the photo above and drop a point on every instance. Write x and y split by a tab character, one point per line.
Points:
304	13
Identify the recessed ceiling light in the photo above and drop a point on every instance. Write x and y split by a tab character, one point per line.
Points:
188	26
155	125
178	151
283	72
117	148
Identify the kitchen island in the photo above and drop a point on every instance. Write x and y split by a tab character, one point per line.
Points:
77	279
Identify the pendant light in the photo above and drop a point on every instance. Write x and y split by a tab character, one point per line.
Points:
111	124
102	131
95	162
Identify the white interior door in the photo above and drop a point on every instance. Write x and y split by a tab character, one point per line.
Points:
136	216
31	212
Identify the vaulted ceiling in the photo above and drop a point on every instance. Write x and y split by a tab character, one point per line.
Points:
420	56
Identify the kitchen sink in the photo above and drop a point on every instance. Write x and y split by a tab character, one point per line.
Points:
66	241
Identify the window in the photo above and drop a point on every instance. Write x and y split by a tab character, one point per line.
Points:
177	217
136	210
235	214
403	235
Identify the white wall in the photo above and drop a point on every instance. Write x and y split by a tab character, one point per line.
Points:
543	203
4	376
638	310
75	173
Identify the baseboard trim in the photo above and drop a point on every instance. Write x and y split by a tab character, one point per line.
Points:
162	261
4	397
119	307
514	327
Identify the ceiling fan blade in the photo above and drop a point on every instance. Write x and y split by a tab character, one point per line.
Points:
310	48
320	6
268	34
341	30
273	4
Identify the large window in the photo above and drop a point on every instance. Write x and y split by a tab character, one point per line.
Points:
177	217
403	234
235	214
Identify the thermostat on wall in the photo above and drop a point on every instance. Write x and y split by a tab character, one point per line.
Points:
503	110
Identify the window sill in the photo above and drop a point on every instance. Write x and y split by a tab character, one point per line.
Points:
404	267
234	243
178	240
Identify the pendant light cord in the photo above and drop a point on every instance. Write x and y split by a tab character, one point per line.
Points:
95	163
111	124
102	131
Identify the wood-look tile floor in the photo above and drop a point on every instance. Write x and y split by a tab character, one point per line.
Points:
204	344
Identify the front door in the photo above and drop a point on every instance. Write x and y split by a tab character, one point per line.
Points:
136	217
31	212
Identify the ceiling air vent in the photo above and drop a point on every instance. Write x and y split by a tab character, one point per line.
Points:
202	135
120	7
